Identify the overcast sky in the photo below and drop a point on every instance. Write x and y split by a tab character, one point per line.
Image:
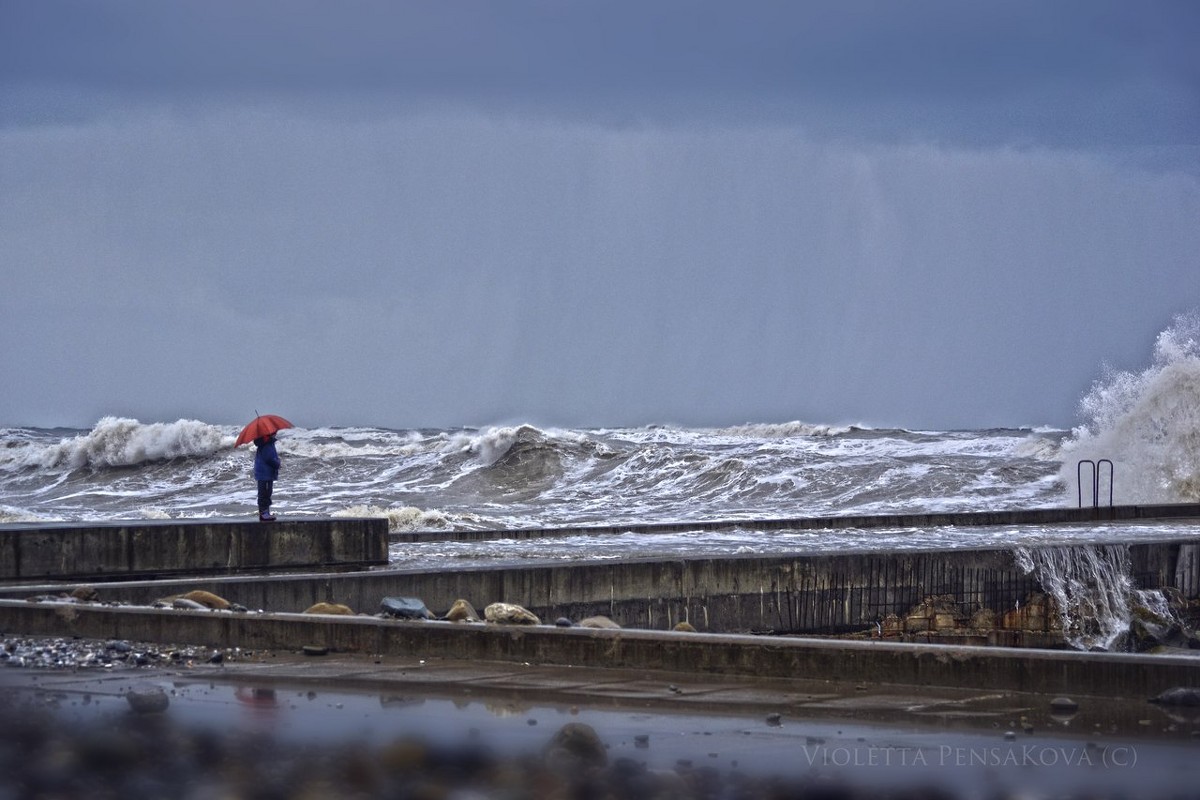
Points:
918	214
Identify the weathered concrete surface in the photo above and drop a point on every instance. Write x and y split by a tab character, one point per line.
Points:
1036	516
1039	671
104	551
784	594
806	702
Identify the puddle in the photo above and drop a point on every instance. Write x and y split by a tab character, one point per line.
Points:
296	729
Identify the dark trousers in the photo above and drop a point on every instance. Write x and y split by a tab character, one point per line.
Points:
264	496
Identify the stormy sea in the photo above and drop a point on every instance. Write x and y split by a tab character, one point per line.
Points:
1146	423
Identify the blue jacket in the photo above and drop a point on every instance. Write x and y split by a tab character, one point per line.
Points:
266	462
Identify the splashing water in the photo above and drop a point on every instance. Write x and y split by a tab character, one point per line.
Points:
1094	591
1146	423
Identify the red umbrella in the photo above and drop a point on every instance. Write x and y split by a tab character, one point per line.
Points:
260	426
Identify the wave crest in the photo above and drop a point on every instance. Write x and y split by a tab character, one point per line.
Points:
785	430
494	445
408	518
121	442
1146	423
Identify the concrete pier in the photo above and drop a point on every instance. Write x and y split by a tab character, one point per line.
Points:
872	663
793	594
99	551
1035	516
725	598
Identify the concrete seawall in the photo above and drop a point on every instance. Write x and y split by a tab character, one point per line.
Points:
993	669
782	594
1036	516
111	550
724	597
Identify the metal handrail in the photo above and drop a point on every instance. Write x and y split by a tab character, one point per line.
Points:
1095	465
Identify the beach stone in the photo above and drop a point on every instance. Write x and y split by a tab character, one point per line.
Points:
147	701
581	741
1178	696
510	614
563	622
88	594
462	611
983	620
206	599
599	621
330	608
1063	704
405	608
684	627
315	650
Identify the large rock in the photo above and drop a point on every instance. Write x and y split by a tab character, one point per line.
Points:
147	701
196	599
599	621
330	608
581	741
983	620
1039	612
405	608
510	614
1179	696
462	611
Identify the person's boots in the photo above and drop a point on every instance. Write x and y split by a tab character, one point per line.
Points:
266	516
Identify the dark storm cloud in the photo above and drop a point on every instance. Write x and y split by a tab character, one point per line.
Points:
1079	73
929	214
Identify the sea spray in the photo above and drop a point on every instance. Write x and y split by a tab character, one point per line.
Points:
1147	423
1093	590
399	519
120	442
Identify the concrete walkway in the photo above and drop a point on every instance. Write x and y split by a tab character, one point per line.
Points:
865	737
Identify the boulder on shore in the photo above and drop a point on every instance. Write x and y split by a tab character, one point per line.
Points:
196	599
462	611
581	741
510	614
405	608
599	621
148	701
330	608
1179	696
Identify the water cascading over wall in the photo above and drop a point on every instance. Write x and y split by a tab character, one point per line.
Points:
1094	590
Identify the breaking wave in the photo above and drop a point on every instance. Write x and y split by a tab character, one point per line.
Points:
788	429
1147	423
120	442
408	518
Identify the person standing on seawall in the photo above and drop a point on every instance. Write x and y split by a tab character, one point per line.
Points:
266	472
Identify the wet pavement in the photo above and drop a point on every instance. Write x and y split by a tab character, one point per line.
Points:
670	734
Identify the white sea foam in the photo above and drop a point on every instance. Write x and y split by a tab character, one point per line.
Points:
10	514
787	429
1043	445
1147	423
334	443
120	442
399	519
